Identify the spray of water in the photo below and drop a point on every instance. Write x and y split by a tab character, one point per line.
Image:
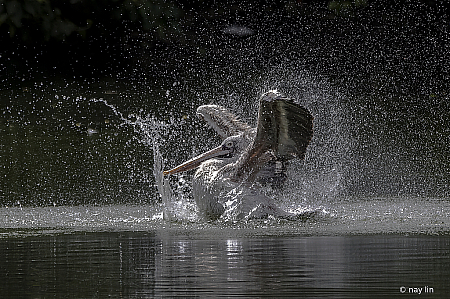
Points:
320	178
152	133
312	183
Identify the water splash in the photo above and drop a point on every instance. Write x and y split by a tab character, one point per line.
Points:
148	129
321	177
316	183
312	182
162	183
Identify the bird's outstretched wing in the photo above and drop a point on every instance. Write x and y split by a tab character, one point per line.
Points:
284	127
284	131
221	120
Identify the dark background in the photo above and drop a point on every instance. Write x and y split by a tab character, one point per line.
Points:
386	64
162	39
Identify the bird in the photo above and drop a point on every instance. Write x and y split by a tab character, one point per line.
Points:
230	178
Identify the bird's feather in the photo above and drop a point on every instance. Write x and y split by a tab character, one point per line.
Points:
283	132
222	121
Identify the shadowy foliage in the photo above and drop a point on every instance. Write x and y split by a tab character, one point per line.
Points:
45	20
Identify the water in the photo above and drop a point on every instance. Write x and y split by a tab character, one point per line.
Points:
210	262
368	216
81	215
356	248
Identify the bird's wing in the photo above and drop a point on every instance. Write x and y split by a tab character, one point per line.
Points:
221	120
284	131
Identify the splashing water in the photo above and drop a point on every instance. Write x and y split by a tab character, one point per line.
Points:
84	148
321	176
97	166
148	128
311	183
177	201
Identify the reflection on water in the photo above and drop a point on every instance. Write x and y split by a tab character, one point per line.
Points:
164	264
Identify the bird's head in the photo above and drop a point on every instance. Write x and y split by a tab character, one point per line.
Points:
230	150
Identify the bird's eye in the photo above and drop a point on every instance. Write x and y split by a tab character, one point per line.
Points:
229	144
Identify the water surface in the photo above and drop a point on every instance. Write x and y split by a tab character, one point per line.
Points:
354	248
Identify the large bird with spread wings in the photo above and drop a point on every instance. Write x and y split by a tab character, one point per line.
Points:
229	177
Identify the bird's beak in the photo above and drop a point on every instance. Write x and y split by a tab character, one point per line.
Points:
195	162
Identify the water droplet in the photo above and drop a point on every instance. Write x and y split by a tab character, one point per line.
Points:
91	131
